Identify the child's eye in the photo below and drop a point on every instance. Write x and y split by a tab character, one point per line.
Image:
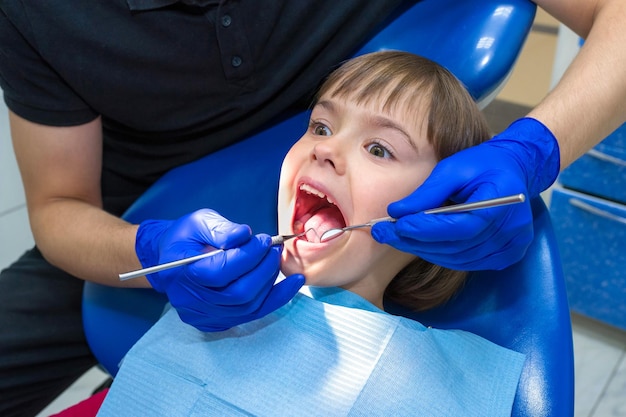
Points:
319	129
378	150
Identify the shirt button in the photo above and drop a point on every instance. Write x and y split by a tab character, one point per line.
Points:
236	61
226	20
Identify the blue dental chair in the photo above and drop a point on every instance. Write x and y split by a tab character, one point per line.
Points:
523	307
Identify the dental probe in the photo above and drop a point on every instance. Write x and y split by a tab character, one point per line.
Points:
276	240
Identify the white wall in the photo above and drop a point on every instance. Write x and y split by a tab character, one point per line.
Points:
567	46
15	235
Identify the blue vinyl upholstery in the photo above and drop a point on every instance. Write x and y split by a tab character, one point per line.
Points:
523	307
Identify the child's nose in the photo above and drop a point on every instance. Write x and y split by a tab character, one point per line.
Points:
329	153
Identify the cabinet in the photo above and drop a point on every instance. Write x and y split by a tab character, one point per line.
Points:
588	210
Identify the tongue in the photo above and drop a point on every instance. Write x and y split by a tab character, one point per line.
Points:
323	220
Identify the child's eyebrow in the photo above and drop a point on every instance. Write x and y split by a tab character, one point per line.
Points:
327	105
387	123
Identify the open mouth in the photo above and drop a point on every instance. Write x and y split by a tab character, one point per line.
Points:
315	212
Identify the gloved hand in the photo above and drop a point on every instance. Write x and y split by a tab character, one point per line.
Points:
522	159
221	291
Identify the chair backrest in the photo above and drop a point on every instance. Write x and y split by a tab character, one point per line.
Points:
523	307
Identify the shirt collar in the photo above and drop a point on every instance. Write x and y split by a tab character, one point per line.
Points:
141	5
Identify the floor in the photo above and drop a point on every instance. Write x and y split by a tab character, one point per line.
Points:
600	351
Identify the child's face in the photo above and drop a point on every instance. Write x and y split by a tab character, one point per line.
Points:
350	164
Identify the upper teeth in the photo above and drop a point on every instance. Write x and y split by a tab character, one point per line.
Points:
310	190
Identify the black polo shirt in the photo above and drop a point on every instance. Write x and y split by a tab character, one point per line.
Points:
172	80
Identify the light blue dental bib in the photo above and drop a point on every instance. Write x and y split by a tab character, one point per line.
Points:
328	353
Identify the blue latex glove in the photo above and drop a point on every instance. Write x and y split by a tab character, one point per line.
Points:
221	291
522	159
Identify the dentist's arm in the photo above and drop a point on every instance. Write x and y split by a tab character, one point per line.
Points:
589	102
60	169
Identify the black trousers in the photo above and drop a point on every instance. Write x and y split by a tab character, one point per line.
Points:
42	344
